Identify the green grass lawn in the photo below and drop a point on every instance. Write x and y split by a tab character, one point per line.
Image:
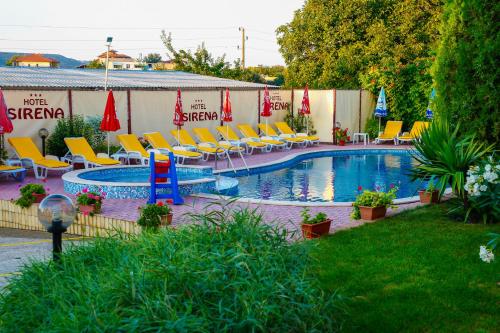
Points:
418	271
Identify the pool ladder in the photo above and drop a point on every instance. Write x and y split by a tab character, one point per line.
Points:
229	160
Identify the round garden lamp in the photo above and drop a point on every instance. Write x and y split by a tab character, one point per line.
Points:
43	133
56	213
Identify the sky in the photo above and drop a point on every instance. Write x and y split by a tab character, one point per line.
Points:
78	29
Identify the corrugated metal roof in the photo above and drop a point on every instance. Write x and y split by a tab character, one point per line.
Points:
57	78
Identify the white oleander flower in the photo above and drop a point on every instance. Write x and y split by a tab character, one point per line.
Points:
485	254
487	167
483	188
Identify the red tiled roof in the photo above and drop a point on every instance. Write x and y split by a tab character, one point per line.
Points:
114	54
36	57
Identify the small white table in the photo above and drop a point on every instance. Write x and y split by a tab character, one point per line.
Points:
364	136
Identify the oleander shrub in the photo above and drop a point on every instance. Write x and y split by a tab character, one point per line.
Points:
227	272
68	128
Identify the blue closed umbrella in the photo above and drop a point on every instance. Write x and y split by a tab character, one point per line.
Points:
381	109
428	113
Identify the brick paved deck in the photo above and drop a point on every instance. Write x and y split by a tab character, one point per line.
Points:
284	216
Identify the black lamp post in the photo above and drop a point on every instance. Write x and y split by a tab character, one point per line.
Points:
56	213
43	133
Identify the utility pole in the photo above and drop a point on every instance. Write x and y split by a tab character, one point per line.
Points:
243	39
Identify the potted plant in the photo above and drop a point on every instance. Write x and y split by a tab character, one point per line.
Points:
314	227
372	205
155	215
430	194
341	135
30	194
90	202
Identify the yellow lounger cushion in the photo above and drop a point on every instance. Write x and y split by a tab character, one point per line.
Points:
186	153
157	141
131	143
9	168
392	128
80	146
285	129
416	130
51	163
272	142
269	131
26	149
229	134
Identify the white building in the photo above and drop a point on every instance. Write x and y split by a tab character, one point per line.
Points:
120	61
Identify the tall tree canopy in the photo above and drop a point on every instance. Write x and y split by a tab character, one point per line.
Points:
466	69
365	43
202	62
152	58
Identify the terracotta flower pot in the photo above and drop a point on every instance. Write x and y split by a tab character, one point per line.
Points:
428	197
88	209
166	219
316	230
38	197
372	213
341	143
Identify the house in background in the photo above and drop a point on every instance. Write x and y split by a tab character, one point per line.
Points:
35	60
120	61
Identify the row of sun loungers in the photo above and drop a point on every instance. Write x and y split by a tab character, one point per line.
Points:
187	147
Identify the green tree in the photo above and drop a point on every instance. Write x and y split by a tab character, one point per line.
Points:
95	64
152	58
365	44
466	68
202	62
11	60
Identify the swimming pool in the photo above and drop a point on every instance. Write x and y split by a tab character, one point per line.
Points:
329	176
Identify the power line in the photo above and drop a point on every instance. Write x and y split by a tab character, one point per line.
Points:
113	28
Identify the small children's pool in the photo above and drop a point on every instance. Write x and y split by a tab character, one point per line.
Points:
132	182
329	176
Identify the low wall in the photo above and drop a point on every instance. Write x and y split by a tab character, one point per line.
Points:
13	216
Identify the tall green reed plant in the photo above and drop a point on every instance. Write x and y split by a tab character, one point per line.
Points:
227	272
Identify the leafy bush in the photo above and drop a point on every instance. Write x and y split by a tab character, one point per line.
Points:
483	187
443	154
371	127
227	272
66	128
466	70
150	217
98	138
373	199
307	219
299	123
27	199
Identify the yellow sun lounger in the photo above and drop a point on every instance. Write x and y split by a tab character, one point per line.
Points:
285	130
248	132
80	150
391	132
415	132
28	153
158	141
16	172
186	140
204	136
270	132
228	134
134	149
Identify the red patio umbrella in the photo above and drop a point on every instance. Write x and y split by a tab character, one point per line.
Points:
306	107
109	121
5	122
266	110
226	110
178	115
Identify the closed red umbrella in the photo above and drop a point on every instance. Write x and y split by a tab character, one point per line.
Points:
178	114
5	122
266	109
306	108
227	112
110	122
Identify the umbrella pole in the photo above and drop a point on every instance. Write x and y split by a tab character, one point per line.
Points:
108	144
379	119
227	132
307	125
178	135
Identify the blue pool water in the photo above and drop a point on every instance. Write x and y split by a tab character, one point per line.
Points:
332	176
